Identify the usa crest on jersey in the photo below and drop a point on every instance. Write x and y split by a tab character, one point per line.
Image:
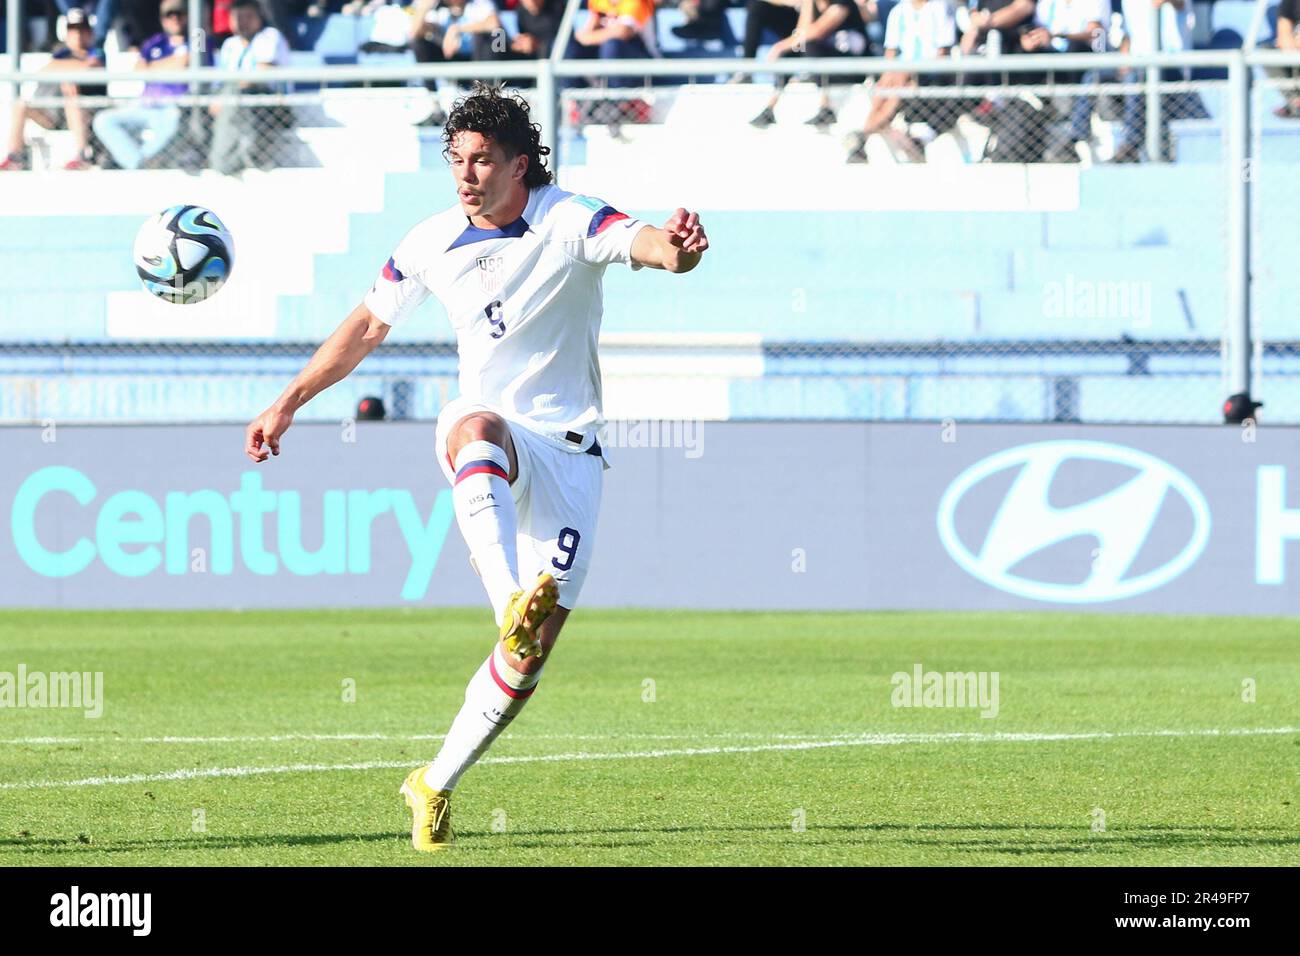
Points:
490	273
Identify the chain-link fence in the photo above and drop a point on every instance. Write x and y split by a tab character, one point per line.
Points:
1089	287
981	243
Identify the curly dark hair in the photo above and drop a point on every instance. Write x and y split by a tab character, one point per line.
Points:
503	117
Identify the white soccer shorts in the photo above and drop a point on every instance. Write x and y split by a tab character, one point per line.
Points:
557	499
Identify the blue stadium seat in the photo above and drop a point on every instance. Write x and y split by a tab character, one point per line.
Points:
306	59
402	58
1237	15
671	45
305	32
339	38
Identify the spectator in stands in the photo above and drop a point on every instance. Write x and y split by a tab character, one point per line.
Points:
616	30
77	53
777	16
1288	38
101	17
447	31
613	30
825	28
142	21
255	45
282	13
996	25
244	136
917	30
705	20
1173	32
121	129
1073	26
1019	124
450	30
539	21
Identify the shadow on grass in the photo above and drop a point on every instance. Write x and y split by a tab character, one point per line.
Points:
966	838
55	845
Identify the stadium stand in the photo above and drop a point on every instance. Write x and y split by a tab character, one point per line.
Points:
955	282
337	38
906	305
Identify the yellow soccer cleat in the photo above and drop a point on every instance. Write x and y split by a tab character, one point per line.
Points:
431	826
525	614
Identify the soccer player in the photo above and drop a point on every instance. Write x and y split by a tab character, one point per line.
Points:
517	263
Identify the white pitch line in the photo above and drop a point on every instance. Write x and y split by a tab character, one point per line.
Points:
234	739
730	735
864	740
275	738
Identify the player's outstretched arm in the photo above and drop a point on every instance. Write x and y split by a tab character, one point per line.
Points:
354	339
676	247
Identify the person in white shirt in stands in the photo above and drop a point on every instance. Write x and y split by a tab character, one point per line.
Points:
917	30
1074	26
255	44
446	31
244	135
1173	33
454	30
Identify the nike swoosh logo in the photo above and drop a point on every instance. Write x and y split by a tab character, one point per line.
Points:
483	509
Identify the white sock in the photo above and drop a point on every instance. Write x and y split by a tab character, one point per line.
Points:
494	695
485	511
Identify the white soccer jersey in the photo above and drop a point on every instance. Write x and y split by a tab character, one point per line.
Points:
1070	16
525	302
919	33
1173	27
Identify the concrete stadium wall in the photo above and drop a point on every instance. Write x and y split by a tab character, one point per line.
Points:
695	515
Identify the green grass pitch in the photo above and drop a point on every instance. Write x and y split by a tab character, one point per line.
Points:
658	738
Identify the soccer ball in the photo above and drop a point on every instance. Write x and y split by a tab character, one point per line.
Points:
184	254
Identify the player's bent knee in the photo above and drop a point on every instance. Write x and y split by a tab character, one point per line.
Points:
479	426
482	426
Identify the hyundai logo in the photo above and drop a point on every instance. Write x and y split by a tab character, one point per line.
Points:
1120	520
